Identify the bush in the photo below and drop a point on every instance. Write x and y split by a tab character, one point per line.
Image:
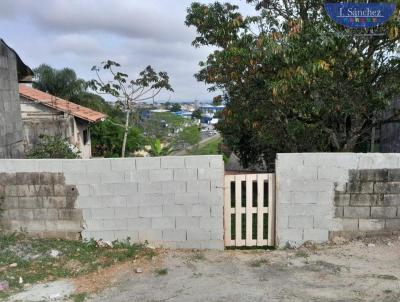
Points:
53	147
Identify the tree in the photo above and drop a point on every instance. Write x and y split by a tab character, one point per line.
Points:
176	107
107	138
189	136
217	101
62	83
156	149
162	125
53	147
291	80
129	92
196	114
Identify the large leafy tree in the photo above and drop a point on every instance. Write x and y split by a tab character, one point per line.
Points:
292	79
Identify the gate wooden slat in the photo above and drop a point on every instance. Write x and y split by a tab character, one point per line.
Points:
239	210
271	210
247	210
228	210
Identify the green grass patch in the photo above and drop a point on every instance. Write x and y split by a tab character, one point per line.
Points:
34	262
210	148
162	272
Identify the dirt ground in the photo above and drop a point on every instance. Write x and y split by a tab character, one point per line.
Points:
367	270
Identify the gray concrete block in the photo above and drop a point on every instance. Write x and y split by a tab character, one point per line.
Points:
198	210
73	165
371	224
148	163
139	224
123	164
211	198
163	223
392	224
174	187
150	187
198	234
387	187
364	200
360	187
150	235
115	224
111	202
301	222
170	162
209	223
83	178
394	175
45	214
217	234
374	175
103	213
11	190
197	161
139	176
161	175
357	212
94	224
208	174
339	211
341	199
97	165
217	211
18	214
112	177
383	212
303	197
174	235
187	223
70	214
174	210
187	198
131	212
216	162
188	245
30	202
391	200
198	186
158	198
63	225
212	245
185	174
9	202
150	211
350	224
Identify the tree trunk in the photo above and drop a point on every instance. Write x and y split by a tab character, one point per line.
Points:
125	133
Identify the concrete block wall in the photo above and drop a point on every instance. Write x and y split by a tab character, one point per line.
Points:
173	202
40	204
307	184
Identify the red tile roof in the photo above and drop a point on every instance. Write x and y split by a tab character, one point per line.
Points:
60	104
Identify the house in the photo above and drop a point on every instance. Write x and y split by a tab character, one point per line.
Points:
12	72
43	113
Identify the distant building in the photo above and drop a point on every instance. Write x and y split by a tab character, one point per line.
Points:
210	109
12	72
43	113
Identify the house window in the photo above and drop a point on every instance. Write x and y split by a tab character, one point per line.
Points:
85	136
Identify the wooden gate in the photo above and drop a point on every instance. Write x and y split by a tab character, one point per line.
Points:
249	210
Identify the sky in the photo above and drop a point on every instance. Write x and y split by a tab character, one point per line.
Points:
82	33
